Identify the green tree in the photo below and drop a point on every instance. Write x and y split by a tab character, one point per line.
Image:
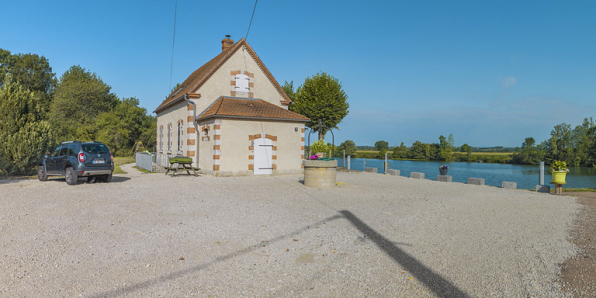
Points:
125	125
417	151
381	154
350	148
468	149
321	97
289	90
560	146
381	145
445	148
401	151
31	72
80	97
24	135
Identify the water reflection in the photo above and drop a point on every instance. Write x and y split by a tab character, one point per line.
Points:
493	174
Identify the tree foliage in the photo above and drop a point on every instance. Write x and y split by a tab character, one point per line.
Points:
32	73
379	145
401	151
80	97
350	148
321	97
24	135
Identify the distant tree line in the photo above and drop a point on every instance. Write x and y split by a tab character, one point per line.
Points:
576	146
38	111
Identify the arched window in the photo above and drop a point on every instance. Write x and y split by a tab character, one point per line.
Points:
170	137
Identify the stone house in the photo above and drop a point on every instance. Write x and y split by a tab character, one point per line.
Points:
231	116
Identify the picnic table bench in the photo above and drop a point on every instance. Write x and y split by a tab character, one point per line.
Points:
181	163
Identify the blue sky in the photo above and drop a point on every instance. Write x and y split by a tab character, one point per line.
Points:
490	72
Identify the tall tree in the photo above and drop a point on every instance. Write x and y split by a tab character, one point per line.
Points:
80	97
400	151
24	135
321	97
349	146
289	90
125	125
379	145
417	151
31	72
468	149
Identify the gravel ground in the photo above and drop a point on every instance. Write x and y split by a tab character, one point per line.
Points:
148	235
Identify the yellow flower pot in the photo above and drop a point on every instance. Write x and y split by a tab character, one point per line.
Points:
559	176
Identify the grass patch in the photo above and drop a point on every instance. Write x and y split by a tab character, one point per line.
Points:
142	170
118	161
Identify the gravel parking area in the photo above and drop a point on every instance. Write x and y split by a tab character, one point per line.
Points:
148	235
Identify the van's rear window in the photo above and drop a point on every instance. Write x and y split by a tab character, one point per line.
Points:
95	148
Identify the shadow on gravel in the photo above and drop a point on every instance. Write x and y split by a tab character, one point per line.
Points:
174	275
435	282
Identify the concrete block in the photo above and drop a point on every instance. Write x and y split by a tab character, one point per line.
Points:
444	178
393	172
416	175
371	170
476	181
507	184
543	188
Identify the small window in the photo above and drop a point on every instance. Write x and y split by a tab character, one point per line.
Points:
63	151
242	81
71	151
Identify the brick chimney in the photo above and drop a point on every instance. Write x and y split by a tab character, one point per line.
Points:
226	43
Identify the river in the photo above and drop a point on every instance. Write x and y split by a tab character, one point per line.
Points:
494	174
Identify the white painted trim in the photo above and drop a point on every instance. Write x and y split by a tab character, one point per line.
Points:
216	142
217	152
217	162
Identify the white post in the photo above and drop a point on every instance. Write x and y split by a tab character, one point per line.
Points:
385	165
344	158
541	179
348	162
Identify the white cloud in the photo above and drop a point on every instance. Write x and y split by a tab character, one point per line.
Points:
509	82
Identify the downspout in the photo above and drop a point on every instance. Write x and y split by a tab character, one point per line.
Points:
196	125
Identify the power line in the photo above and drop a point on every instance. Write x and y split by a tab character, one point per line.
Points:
253	14
173	42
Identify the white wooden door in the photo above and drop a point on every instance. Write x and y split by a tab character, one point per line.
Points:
263	151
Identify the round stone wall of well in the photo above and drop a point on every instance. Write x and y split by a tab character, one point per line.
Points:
319	173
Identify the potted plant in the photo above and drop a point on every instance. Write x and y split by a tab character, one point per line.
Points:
443	169
559	170
319	148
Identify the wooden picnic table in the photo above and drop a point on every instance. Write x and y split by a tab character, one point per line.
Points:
181	163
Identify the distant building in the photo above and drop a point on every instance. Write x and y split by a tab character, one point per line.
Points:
244	125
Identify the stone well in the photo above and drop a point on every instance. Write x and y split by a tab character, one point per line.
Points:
319	173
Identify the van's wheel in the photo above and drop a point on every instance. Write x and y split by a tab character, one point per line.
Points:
41	174
71	177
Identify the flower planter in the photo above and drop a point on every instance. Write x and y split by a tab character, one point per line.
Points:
319	173
559	177
443	171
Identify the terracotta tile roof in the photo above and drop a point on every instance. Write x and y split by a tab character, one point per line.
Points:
201	75
248	108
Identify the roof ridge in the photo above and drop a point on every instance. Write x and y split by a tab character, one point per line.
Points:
198	77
